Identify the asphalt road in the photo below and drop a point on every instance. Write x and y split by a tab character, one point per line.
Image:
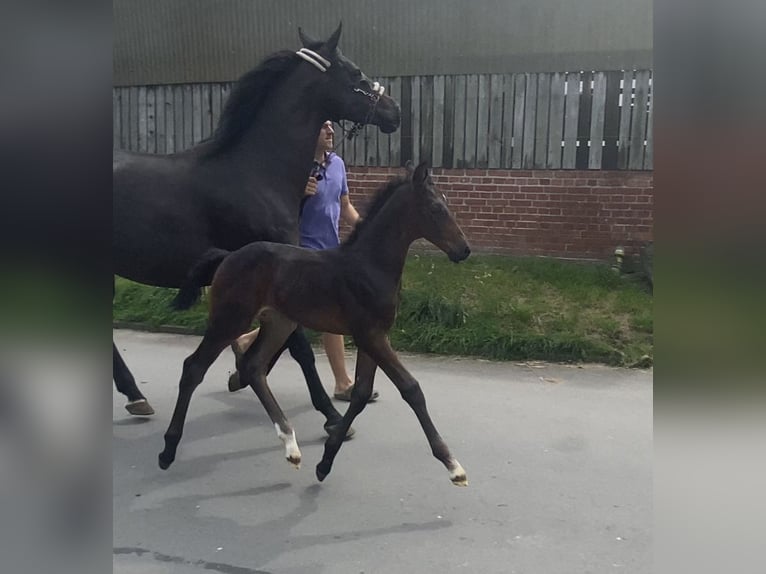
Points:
558	460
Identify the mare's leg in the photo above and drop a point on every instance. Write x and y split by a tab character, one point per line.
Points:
380	350
254	366
360	395
221	331
126	384
300	350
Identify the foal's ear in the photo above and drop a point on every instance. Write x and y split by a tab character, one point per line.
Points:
307	40
332	43
421	173
409	168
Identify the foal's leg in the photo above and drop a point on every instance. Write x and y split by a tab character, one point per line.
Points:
225	323
195	367
126	384
360	395
380	350
254	365
300	350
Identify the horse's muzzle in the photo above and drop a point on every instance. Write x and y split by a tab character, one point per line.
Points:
390	115
460	254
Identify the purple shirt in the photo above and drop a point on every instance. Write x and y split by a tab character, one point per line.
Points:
321	212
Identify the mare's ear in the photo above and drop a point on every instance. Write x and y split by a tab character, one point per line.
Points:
332	44
307	40
409	168
421	174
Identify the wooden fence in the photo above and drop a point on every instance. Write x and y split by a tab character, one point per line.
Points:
576	120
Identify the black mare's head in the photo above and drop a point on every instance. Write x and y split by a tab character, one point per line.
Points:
346	92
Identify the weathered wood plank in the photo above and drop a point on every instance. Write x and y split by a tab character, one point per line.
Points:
459	122
542	120
159	119
519	106
556	123
415	111
437	157
449	122
495	132
508	115
482	122
188	116
178	118
124	118
626	110
142	124
215	106
638	125
207	111
572	115
426	119
405	131
395	139
530	120
611	120
151	120
197	113
598	110
649	155
116	118
583	123
170	125
471	120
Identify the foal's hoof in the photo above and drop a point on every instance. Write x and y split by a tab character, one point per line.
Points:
460	480
234	383
322	470
140	408
165	460
457	475
294	460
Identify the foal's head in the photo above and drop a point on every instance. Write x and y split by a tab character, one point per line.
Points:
433	218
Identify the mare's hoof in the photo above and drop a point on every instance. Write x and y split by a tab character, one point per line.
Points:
234	383
323	469
140	408
330	428
165	460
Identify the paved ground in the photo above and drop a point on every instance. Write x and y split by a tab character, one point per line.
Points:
558	460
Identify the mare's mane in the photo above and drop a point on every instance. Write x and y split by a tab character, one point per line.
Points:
246	100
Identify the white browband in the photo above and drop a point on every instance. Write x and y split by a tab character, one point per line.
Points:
314	59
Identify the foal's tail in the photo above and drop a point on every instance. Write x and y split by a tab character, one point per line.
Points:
201	274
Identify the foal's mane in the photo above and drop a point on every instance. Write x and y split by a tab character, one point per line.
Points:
376	205
246	99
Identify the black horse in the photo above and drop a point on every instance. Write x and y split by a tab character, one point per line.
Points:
174	214
352	290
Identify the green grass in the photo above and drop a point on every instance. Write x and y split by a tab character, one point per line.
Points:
488	306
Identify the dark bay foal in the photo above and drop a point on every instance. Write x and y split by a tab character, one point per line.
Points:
350	290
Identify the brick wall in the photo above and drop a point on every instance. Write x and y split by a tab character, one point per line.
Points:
571	214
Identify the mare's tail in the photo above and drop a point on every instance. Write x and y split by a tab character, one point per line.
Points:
201	274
